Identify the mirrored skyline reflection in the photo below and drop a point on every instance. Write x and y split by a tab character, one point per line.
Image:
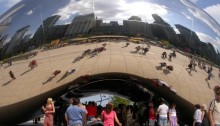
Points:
33	13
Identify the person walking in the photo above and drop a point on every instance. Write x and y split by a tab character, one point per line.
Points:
49	110
163	111
109	116
214	108
209	73
74	113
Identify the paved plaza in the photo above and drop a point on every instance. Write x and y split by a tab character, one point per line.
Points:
116	58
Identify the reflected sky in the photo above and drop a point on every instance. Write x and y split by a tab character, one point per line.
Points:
33	12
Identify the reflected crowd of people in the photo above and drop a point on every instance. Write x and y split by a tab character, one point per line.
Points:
154	113
157	112
75	113
193	62
151	114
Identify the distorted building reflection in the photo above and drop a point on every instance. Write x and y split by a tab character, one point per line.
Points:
136	49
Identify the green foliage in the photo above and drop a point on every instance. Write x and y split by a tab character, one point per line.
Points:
165	43
118	100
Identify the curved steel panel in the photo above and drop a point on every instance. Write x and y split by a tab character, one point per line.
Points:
90	37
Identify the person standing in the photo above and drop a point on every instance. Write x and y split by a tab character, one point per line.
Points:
205	119
197	116
152	115
163	111
10	62
74	113
214	108
109	116
48	109
173	115
91	109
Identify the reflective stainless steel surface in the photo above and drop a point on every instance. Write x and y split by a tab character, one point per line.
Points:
79	39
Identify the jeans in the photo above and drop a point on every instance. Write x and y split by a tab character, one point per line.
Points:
162	121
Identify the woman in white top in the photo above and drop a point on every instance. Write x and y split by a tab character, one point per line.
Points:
172	115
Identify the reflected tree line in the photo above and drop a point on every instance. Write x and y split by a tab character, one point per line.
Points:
89	25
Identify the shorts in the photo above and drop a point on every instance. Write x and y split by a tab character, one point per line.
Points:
162	121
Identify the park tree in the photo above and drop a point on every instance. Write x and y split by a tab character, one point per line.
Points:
118	100
165	43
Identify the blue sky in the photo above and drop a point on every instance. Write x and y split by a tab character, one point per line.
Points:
212	7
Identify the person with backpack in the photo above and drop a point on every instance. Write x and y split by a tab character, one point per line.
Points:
214	108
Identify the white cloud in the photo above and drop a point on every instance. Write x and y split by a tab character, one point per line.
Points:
202	16
123	10
73	7
113	10
206	19
214	11
206	38
137	9
29	12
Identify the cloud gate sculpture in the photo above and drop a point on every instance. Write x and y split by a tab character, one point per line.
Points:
135	48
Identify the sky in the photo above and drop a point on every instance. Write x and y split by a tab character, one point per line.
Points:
212	7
